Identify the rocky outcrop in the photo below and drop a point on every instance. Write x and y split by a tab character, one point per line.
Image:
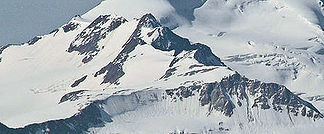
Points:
70	27
91	116
73	96
78	81
86	43
234	91
205	56
169	41
34	40
166	40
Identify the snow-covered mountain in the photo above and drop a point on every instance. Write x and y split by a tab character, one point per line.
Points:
187	66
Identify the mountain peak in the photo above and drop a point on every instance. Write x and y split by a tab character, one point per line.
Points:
148	20
115	75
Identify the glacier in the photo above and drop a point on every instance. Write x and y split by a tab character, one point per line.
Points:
206	66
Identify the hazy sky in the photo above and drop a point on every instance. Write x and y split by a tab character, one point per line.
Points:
21	20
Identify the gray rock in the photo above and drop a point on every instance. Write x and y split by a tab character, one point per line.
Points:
34	40
266	96
73	96
70	27
77	82
86	43
91	116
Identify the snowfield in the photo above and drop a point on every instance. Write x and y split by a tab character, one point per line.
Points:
258	68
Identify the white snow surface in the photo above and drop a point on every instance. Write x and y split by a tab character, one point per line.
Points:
270	40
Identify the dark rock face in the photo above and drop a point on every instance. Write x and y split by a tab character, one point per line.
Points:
91	116
183	92
191	73
34	40
77	82
54	32
320	52
148	20
73	96
205	56
217	99
165	40
114	70
70	27
220	101
266	96
202	54
168	73
86	42
5	130
168	41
